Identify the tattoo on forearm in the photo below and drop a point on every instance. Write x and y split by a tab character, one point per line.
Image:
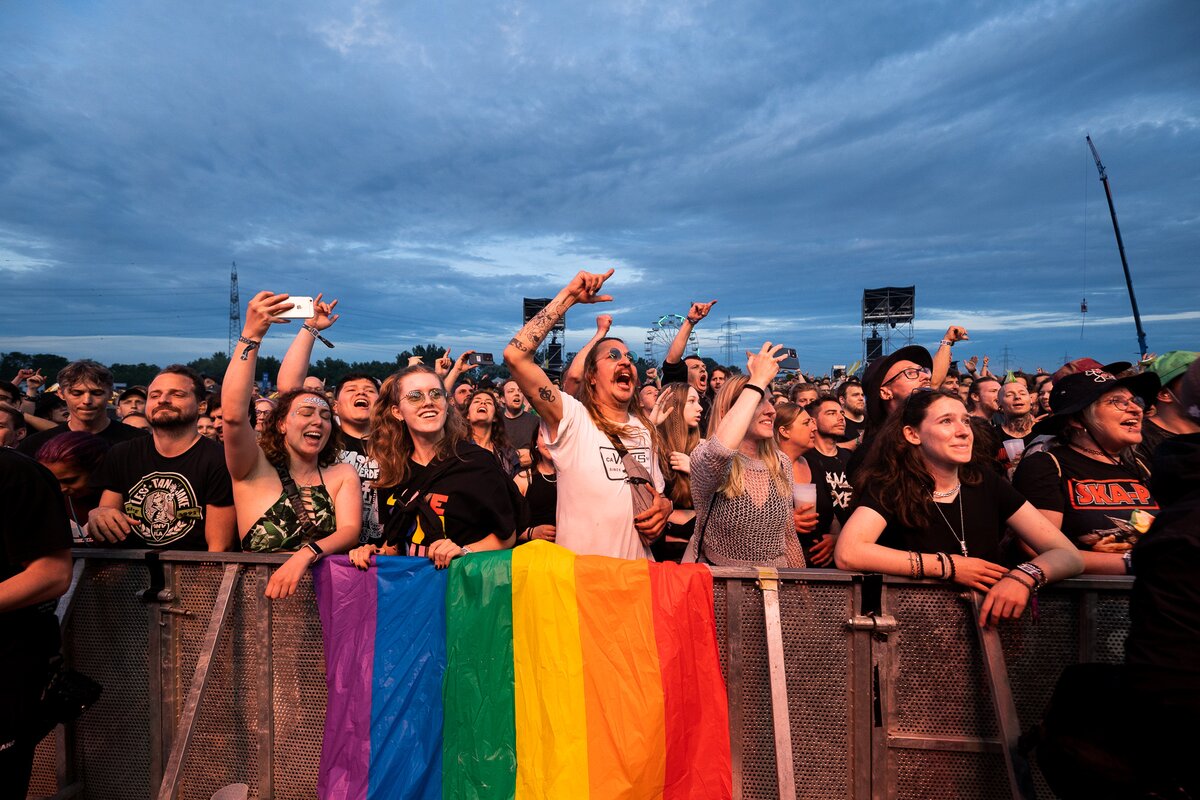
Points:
537	328
517	343
546	393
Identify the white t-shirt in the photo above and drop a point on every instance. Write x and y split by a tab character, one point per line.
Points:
595	508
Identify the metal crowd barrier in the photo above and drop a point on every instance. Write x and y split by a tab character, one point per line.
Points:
889	689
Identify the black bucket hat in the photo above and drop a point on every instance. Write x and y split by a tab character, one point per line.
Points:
1074	393
873	377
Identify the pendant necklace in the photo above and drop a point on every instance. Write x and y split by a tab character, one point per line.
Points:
962	540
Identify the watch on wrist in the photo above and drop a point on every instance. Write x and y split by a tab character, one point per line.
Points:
466	551
316	551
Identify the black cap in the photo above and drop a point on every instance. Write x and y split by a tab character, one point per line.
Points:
138	391
1073	393
873	377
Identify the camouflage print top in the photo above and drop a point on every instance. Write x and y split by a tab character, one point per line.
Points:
279	528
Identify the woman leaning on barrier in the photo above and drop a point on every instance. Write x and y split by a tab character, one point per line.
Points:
926	510
441	496
289	493
741	482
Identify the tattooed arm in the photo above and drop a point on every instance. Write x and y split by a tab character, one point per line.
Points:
519	355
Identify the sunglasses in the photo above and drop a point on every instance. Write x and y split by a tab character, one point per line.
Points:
416	397
617	354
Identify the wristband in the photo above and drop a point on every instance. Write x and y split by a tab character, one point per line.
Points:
251	344
1127	557
1013	577
316	334
761	392
466	551
946	343
953	572
316	550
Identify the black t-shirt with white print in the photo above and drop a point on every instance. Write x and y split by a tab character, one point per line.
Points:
834	494
354	453
167	496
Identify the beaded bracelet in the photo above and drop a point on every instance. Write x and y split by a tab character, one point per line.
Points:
953	571
1013	577
912	564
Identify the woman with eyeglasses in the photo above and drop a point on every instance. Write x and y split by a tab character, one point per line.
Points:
927	509
1090	484
609	483
441	496
741	482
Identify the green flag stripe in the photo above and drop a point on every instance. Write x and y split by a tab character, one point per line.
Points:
479	753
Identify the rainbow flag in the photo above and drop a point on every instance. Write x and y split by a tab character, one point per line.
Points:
527	673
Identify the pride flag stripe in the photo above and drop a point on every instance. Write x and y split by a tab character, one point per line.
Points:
622	681
556	676
479	743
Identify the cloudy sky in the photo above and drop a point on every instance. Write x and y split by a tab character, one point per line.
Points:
432	163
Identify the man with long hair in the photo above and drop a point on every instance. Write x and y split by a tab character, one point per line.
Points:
601	443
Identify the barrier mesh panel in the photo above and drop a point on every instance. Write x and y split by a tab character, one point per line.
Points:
107	642
1112	626
941	687
299	693
815	644
223	748
934	775
44	780
759	779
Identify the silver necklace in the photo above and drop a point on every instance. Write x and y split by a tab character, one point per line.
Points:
962	540
944	495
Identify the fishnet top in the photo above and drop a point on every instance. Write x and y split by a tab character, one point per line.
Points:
753	529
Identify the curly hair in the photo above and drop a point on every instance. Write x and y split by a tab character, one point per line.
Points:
676	437
896	470
585	394
390	442
768	450
272	442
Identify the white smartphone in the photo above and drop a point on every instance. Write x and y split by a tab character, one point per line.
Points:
302	308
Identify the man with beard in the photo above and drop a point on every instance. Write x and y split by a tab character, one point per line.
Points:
86	387
1014	423
829	463
170	489
983	398
716	379
353	396
601	444
691	370
519	424
854	406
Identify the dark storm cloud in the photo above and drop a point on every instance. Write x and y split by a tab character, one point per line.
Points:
430	165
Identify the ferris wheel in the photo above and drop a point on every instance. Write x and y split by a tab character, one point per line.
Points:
660	335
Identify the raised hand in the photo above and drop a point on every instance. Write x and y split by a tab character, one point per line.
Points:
763	366
699	311
956	334
323	315
443	364
263	311
585	287
461	364
603	323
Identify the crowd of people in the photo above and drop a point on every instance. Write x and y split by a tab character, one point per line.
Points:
924	467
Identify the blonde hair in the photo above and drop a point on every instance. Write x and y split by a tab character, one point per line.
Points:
768	450
391	444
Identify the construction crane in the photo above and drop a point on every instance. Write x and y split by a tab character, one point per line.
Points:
1137	317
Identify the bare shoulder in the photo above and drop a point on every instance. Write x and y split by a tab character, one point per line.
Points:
340	474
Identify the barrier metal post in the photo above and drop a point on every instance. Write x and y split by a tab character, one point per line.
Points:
191	709
768	581
1020	780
